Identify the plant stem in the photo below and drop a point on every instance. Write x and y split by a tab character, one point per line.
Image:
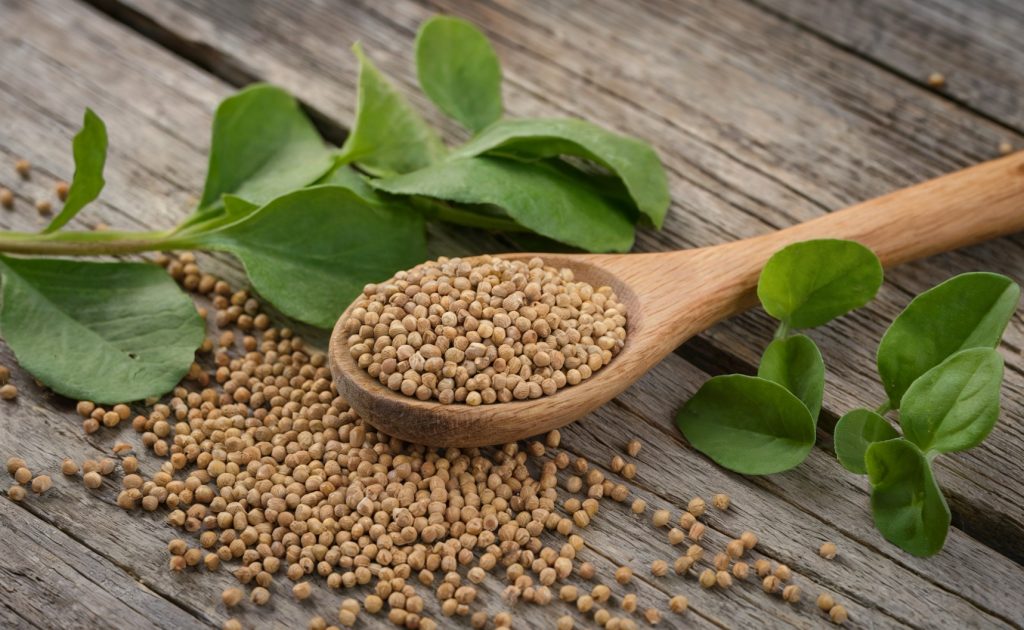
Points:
782	331
106	243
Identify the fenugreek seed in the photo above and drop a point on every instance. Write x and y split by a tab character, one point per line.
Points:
827	550
177	547
231	597
623	575
697	531
763	567
43	206
735	548
838	614
638	506
348	619
682	564
791	593
695	551
629	470
678	604
16	493
660	518
936	80
696	506
8	392
825	602
373	604
782	572
567	593
616	464
633	447
707	578
503	620
676	536
749	539
720	501
721	561
564	622
659	568
61	189
259	596
584	603
23	475
6	198
23	167
587	571
653	616
1005	148
41	484
723	579
740	570
14	463
686	520
770	584
301	590
601	593
232	624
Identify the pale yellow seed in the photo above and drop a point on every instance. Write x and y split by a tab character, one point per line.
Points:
723	579
783	573
838	614
623	575
749	539
696	507
660	518
825	602
659	568
708	578
827	550
936	80
720	501
633	447
679	604
791	593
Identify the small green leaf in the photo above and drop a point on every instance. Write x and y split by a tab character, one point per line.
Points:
748	424
855	432
263	145
388	136
348	177
632	161
90	150
796	364
807	284
954	405
908	506
310	252
967	311
459	71
547	200
106	332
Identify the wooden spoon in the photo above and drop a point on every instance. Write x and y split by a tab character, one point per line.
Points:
672	296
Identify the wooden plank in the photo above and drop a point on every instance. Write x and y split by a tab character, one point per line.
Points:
728	95
49	579
976	45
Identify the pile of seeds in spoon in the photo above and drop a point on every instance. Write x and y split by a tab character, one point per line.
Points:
270	475
484	332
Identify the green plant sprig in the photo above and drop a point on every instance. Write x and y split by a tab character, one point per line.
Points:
312	223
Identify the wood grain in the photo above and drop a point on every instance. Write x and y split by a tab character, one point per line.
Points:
760	123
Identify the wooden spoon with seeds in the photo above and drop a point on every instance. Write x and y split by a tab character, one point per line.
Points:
672	296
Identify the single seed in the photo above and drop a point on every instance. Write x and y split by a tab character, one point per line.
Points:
232	624
8	392
301	591
629	602
825	602
601	593
61	188
14	463
16	493
827	550
564	622
678	604
69	467
660	518
735	548
708	578
696	507
633	447
1005	148
740	570
783	573
721	561
231	597
41	484
23	167
936	80
763	567
638	506
659	568
629	470
92	480
6	198
697	531
791	593
838	614
373	604
723	579
682	564
720	501
43	206
770	584
676	536
623	575
23	475
259	596
749	539
653	616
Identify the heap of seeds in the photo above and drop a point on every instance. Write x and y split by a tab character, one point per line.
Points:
494	331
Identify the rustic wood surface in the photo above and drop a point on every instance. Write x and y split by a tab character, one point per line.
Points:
766	113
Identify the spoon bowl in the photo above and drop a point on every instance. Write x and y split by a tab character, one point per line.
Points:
671	296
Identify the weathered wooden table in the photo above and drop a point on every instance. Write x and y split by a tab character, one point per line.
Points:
766	112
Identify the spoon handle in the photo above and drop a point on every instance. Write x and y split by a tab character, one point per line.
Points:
952	211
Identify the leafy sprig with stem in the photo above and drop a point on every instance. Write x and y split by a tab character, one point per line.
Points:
937	363
312	223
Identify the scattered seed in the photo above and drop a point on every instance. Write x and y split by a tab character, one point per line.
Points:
763	567
936	80
827	550
629	602
749	539
783	573
825	602
232	624
23	475
623	575
6	198
660	518
8	392
1005	148
43	206
735	548
659	568
723	579
231	597
740	570
770	584
41	484
61	189
564	622
16	493
653	616
838	614
23	168
92	480
633	447
14	463
721	562
682	564
259	596
791	593
301	591
697	531
696	507
678	604
708	578
720	501
638	506
676	536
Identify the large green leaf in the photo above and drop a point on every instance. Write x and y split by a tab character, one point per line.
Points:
459	71
809	283
796	364
633	161
967	311
89	148
748	424
547	200
263	145
107	332
954	405
855	432
908	506
310	252
388	136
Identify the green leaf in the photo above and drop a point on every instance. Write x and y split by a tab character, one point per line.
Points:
311	251
90	150
908	506
967	311
459	71
954	405
807	284
106	332
855	432
748	424
632	161
547	200
796	364
263	145
348	177
388	136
